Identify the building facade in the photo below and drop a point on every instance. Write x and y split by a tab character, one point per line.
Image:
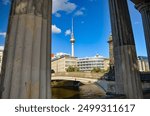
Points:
111	54
88	63
62	63
106	64
143	64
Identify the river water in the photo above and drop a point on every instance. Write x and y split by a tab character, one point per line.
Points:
89	91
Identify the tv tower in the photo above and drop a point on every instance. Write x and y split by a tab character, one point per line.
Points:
72	40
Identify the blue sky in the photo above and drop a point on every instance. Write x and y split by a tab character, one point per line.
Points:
91	26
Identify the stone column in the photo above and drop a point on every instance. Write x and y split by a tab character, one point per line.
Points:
126	68
144	8
26	67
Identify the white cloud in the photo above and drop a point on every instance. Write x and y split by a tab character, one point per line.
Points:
80	12
68	32
57	14
63	5
5	2
3	34
55	29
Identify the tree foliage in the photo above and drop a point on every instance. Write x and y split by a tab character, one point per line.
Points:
96	70
72	69
52	71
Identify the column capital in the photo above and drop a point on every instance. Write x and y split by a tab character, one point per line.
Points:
35	7
141	4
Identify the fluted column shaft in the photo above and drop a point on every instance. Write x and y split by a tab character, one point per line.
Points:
126	69
26	66
144	9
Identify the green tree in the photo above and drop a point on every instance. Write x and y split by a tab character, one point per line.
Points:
76	69
52	71
96	70
72	69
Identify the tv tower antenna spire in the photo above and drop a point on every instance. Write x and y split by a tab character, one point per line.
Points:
72	39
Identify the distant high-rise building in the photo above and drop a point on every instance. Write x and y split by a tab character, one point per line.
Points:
60	54
143	63
72	40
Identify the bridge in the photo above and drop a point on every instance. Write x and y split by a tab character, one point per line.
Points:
82	80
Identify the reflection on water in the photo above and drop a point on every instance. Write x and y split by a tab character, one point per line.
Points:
90	91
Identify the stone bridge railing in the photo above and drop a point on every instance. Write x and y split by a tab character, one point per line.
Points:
82	80
79	74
